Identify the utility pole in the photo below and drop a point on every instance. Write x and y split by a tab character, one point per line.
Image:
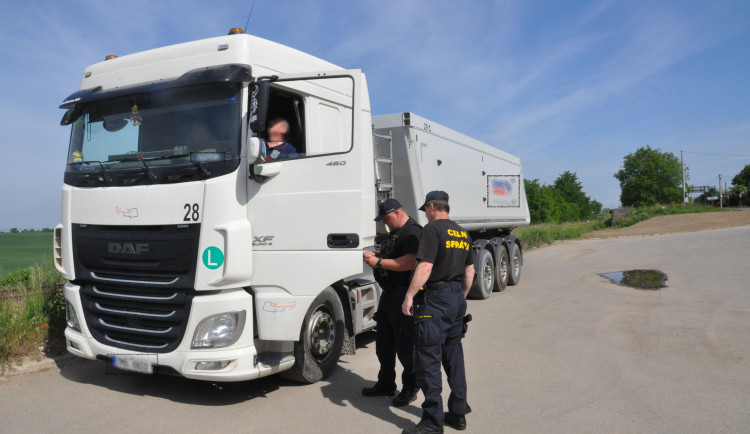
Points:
721	203
684	194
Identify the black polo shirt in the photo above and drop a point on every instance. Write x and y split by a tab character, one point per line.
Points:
448	247
400	242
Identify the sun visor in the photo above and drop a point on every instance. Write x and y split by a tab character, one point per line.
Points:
223	73
77	97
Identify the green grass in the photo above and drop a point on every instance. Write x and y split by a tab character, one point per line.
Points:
20	250
547	233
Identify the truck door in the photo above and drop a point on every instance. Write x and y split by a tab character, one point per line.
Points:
306	208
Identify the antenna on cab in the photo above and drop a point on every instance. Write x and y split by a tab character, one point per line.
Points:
248	17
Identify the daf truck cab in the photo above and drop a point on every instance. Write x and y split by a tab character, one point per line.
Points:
186	251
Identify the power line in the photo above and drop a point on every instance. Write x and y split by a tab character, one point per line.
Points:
720	155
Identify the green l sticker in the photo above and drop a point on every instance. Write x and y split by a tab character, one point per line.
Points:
213	258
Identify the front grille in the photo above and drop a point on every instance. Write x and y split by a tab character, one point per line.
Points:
141	319
163	255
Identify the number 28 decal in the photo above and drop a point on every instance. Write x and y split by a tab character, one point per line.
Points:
192	213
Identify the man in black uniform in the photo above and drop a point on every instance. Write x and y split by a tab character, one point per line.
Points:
437	294
392	269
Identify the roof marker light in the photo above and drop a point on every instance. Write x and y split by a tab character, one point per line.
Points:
110	57
235	31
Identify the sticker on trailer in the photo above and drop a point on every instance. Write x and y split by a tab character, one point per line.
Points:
503	191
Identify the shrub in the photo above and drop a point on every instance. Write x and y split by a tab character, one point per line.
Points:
32	313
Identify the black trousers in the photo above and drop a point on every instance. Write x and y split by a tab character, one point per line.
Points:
394	336
438	325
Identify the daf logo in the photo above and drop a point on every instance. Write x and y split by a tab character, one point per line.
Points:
128	248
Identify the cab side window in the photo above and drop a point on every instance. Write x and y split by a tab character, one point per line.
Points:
289	107
318	111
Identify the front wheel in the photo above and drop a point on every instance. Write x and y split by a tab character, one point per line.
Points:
318	350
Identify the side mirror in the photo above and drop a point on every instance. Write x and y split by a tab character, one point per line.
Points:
71	116
256	154
258	105
256	150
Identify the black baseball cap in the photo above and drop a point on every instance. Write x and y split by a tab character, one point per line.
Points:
434	195
386	206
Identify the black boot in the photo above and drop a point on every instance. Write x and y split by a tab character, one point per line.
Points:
455	421
404	398
379	390
421	429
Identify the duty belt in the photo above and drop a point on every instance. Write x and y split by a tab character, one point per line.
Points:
393	288
438	285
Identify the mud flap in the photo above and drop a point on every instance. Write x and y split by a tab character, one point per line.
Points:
349	347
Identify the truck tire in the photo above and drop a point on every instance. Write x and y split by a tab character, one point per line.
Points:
502	268
318	350
515	265
485	278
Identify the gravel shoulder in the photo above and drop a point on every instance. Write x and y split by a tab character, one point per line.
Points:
671	224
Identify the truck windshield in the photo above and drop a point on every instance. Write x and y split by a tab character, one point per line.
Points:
174	135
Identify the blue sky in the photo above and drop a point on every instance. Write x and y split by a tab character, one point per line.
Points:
565	85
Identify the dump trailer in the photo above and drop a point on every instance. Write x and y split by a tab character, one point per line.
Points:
188	251
414	155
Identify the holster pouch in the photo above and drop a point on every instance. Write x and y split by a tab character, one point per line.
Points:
467	320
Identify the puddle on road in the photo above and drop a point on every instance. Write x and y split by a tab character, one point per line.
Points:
639	279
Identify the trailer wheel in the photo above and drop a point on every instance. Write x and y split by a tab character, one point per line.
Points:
484	280
318	350
502	267
515	265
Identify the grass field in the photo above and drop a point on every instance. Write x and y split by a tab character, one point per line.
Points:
21	250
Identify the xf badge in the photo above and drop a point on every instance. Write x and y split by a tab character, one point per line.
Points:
263	240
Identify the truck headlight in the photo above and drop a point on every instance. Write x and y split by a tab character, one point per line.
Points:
219	330
72	317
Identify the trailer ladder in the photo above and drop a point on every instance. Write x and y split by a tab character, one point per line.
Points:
383	153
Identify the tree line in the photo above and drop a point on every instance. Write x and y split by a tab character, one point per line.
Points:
18	231
647	177
563	201
651	177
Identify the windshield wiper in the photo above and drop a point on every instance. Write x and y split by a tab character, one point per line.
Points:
150	173
205	173
202	168
104	175
198	159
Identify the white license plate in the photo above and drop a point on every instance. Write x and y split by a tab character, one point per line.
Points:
140	363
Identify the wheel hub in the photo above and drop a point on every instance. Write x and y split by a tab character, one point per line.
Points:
487	275
322	333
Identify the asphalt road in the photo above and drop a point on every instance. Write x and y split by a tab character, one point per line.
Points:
564	351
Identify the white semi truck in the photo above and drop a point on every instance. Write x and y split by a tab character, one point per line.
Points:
186	252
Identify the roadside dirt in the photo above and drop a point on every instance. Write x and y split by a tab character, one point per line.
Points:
677	223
